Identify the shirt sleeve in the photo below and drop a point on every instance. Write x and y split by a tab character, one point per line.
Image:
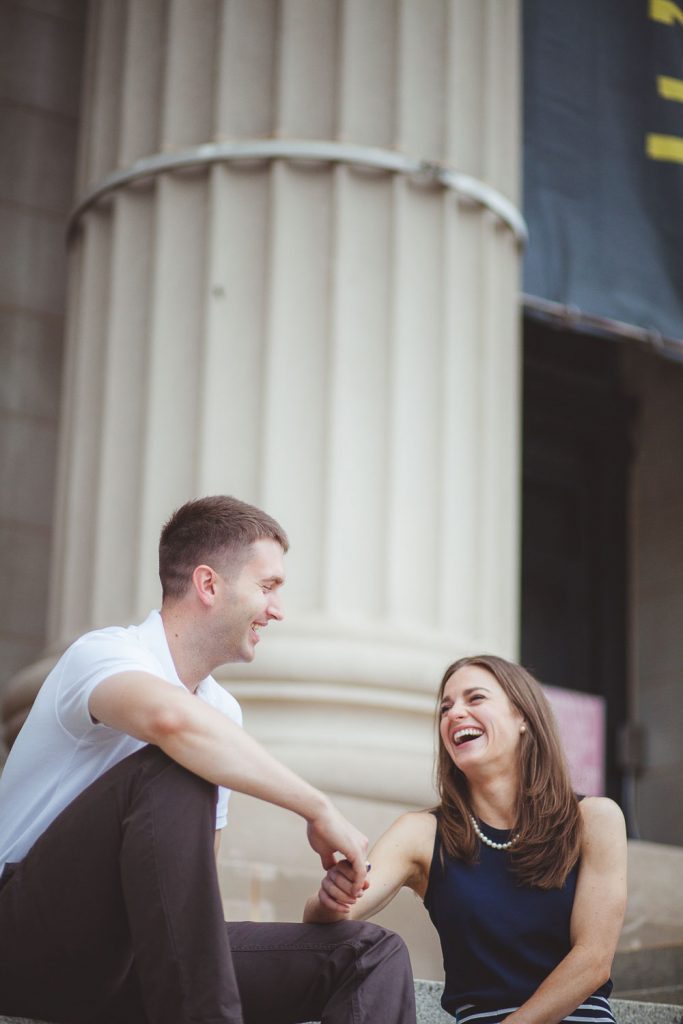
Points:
225	702
89	661
222	807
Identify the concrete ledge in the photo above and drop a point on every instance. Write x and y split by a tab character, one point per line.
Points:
429	1009
630	1012
652	973
626	1012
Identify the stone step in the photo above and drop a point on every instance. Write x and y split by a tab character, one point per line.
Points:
429	1010
652	969
662	994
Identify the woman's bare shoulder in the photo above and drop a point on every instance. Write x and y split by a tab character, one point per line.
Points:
598	811
603	824
412	835
419	824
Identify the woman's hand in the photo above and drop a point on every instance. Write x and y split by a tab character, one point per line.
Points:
339	889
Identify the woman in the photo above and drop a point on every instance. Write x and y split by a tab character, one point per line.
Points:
524	882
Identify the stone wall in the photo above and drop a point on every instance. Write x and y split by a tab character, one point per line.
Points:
40	55
657	594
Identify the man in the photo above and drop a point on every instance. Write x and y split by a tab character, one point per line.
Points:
109	903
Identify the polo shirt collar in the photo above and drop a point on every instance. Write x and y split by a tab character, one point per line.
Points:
153	636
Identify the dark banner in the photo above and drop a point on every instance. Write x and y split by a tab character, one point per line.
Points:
603	158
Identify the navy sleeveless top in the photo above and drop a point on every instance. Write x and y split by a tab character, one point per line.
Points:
499	939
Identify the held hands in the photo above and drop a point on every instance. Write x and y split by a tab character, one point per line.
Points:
339	889
329	834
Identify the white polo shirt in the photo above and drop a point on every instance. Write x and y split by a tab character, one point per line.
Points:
60	750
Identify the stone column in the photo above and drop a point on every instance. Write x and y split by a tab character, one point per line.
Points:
333	340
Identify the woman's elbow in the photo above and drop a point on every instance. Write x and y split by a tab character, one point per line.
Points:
598	967
603	970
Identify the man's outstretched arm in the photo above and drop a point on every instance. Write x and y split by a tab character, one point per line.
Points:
208	743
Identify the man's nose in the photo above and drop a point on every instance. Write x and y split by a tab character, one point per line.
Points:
275	608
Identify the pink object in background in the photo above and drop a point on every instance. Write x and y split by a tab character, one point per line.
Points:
581	719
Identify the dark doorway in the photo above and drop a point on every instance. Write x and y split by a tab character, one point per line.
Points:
574	519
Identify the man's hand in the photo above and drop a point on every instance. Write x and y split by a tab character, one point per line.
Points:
330	833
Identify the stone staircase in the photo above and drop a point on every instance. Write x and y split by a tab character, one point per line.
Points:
429	1010
653	974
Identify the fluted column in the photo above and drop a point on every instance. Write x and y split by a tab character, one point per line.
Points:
334	342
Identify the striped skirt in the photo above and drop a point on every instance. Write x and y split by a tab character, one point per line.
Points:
595	1010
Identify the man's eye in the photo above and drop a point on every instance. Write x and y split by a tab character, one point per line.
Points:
477	696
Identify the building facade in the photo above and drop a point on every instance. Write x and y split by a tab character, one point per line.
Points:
292	243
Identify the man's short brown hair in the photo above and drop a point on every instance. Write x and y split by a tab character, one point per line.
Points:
206	529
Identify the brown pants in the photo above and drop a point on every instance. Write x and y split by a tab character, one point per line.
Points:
115	917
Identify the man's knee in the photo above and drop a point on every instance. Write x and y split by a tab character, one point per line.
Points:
153	763
183	795
373	938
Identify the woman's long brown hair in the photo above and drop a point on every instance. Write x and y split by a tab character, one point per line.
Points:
547	815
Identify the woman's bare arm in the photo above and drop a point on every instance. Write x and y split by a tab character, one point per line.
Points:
402	856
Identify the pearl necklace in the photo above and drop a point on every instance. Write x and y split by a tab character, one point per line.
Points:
490	842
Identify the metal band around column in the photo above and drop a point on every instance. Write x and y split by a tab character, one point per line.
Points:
421	171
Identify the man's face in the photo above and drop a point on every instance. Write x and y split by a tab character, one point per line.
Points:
249	600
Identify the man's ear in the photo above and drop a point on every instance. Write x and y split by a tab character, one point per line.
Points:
204	582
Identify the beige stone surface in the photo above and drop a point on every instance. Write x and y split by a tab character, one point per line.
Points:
27	471
31	360
24	553
35	239
40	55
655	906
27	134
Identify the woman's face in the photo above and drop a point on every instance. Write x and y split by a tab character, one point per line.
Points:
479	725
